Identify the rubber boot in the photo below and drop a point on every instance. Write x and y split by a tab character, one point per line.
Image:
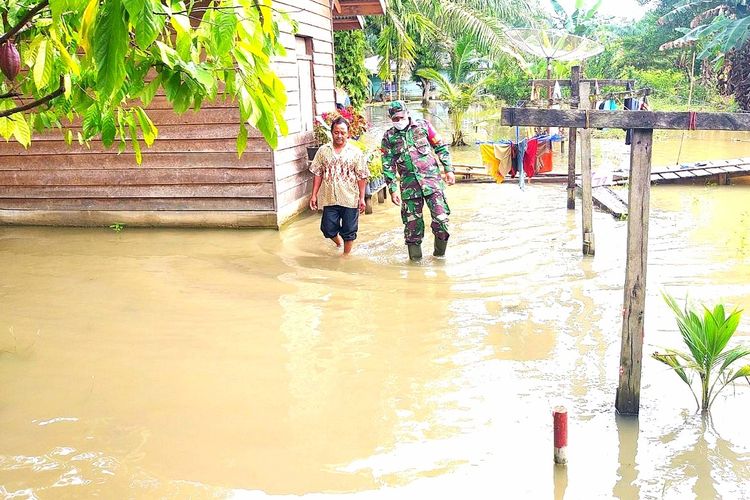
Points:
440	246
415	251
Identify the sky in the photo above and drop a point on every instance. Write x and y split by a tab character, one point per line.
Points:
620	8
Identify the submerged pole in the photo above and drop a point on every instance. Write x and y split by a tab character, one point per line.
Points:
627	401
560	423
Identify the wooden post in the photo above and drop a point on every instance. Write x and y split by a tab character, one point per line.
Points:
381	195
634	304
368	204
587	202
575	78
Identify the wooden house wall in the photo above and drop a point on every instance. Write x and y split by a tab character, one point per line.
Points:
191	176
293	181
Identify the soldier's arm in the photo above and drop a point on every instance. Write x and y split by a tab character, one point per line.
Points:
440	148
389	166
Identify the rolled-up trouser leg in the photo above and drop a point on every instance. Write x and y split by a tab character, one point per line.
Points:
411	216
439	211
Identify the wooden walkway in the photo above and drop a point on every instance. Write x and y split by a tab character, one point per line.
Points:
721	170
717	171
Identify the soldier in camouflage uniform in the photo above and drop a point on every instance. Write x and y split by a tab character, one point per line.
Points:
407	149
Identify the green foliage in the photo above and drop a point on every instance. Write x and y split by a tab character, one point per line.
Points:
720	26
664	82
351	74
507	81
93	59
582	21
706	339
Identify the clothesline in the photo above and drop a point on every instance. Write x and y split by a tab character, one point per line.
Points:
539	137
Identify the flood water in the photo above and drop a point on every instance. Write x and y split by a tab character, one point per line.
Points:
250	364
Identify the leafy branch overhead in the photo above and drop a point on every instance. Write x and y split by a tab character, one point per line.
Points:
67	62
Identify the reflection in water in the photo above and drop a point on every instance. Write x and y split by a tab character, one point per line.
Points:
175	363
560	473
627	472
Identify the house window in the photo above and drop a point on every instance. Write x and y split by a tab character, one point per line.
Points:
305	80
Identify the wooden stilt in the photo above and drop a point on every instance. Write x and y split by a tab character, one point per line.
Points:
587	203
575	79
381	195
629	390
368	204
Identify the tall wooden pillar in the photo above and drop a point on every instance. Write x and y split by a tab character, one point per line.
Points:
587	201
634	304
575	79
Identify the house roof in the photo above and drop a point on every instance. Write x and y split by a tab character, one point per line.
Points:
348	14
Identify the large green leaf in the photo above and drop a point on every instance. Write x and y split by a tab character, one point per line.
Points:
108	128
43	65
22	131
241	140
223	30
147	24
148	129
92	122
110	46
134	8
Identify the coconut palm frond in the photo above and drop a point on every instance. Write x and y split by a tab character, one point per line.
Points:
444	85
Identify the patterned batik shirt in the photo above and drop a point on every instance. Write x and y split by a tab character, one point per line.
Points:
409	153
340	173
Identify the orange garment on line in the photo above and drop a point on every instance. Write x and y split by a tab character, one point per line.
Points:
497	159
544	157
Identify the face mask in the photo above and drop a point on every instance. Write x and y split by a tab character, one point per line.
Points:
401	124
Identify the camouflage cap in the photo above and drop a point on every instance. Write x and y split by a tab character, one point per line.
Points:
397	108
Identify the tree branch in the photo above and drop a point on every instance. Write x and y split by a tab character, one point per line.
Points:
24	20
38	102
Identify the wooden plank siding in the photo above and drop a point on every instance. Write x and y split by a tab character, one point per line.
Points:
191	176
292	180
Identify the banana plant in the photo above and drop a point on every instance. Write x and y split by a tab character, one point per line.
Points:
706	339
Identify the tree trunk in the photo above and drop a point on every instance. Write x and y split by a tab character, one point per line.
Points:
739	77
425	84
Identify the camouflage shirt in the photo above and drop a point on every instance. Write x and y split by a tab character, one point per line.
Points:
409	153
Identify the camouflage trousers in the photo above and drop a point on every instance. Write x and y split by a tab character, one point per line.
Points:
411	216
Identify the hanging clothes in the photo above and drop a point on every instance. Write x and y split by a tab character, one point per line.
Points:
556	92
543	156
529	158
497	159
503	152
490	162
631	105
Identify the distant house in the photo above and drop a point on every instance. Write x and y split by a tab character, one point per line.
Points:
191	176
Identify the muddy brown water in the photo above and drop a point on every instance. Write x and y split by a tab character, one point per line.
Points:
250	364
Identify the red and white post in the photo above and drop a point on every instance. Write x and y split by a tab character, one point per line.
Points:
560	420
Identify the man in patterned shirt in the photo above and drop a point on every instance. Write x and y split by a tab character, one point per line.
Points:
407	149
339	186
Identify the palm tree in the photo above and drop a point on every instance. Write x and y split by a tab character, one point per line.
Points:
399	31
461	86
408	23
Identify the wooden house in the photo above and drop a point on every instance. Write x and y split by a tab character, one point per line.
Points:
191	176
